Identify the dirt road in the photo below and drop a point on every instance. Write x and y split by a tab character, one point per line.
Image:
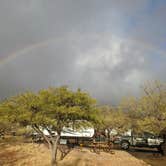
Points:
151	156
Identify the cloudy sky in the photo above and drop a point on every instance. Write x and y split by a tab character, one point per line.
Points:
106	47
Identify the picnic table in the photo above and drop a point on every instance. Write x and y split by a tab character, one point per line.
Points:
97	147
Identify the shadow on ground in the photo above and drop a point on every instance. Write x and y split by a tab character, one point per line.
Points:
150	156
10	157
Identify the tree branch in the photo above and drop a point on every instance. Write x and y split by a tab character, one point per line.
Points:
36	128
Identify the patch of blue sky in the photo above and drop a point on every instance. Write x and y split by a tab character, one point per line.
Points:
154	4
157	60
157	65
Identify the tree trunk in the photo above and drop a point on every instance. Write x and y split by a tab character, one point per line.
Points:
108	134
54	149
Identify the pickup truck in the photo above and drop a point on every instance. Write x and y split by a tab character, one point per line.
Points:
141	140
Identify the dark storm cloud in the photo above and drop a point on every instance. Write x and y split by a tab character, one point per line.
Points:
104	47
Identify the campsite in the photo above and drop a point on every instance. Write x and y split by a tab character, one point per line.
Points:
71	126
15	153
82	82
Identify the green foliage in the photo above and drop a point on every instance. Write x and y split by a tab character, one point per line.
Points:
5	124
147	113
133	111
153	106
53	107
23	131
113	118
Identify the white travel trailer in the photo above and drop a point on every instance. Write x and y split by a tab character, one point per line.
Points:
70	136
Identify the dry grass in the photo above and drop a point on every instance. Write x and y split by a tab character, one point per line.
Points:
24	154
84	157
29	154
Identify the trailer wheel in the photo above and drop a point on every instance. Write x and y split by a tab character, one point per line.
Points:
125	145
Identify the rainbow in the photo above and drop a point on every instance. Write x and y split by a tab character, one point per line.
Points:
27	49
46	42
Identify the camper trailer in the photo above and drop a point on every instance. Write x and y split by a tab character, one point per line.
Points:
69	136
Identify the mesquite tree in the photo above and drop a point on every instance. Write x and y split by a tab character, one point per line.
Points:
113	118
51	109
148	112
153	107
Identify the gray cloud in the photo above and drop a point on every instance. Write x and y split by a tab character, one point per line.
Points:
104	47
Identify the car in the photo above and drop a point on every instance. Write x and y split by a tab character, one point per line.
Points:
116	139
163	146
141	140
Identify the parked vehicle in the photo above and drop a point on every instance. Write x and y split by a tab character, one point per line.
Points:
163	146
141	140
116	139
